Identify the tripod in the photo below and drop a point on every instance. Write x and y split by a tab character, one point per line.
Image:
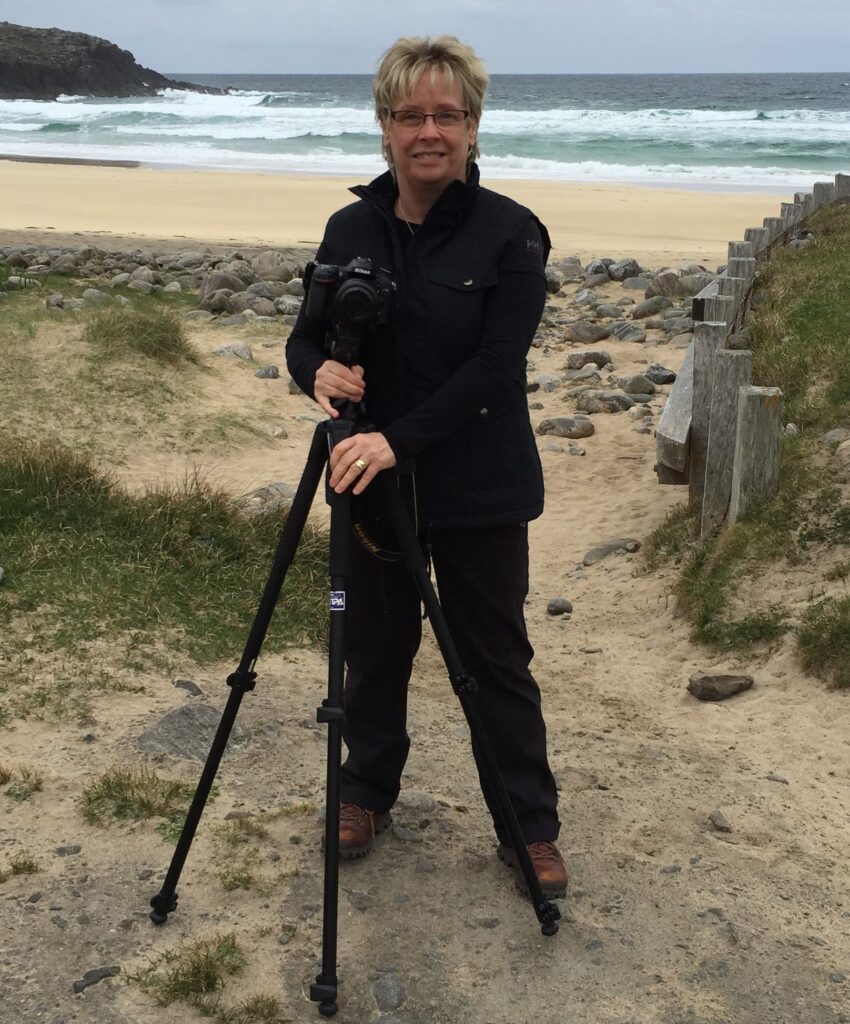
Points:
243	680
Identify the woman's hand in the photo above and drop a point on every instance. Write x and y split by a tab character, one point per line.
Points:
371	449
336	380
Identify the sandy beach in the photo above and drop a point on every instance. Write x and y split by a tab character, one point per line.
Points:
123	207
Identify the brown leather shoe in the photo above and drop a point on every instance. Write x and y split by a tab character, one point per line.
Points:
548	866
357	828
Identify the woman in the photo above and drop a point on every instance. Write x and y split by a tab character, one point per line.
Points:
444	382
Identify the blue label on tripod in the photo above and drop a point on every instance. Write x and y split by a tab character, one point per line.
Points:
337	600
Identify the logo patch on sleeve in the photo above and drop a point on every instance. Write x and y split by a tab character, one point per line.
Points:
337	600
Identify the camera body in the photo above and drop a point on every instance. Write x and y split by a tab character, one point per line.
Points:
348	301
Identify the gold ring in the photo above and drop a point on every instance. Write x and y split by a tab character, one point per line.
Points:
360	464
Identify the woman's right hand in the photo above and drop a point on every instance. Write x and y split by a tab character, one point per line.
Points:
336	380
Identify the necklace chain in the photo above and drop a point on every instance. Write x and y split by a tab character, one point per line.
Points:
404	217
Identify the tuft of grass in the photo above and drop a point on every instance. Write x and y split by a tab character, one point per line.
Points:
236	877
242	830
21	864
823	639
194	974
256	1010
154	331
124	794
181	565
801	335
5	774
27	783
672	538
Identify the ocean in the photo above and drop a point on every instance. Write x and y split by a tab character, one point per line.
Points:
743	132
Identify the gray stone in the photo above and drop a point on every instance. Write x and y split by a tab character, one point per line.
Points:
547	381
590	374
623	269
200	315
274	495
585	332
415	800
836	436
235	350
68	851
719	821
717	687
95	976
173	287
577	360
584	298
188	732
95	296
566	426
638	284
666	282
595	280
681	340
559	606
287	304
234	320
659	374
597	267
295	287
119	281
389	992
650	306
625	332
604	401
268	373
625	545
191	688
639	385
141	286
609	309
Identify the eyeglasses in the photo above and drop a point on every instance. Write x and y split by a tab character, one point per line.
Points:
444	119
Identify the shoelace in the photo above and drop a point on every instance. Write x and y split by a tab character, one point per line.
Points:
543	851
351	812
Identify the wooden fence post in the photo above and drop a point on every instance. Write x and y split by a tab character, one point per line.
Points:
759	237
755	475
739	251
823	192
732	371
672	435
709	339
842	187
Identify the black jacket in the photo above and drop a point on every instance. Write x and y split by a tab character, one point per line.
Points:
445	381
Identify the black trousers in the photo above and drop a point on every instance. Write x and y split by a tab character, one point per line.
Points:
482	577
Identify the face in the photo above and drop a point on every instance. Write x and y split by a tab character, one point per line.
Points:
430	157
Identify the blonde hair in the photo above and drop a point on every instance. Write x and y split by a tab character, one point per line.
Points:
410	57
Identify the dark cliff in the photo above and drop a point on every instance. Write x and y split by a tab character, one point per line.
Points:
43	63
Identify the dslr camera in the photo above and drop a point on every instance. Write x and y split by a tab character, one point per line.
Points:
348	301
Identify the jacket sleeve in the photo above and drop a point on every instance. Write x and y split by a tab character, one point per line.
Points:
305	346
511	317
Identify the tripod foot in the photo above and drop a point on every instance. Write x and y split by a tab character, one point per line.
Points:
324	992
548	915
328	1009
162	907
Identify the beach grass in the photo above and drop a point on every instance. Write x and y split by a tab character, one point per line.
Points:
21	864
181	566
127	794
153	331
801	343
194	974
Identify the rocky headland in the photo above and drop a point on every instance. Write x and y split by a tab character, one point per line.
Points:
44	63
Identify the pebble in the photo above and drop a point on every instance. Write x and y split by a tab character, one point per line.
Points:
719	821
95	976
559	606
268	373
67	851
191	688
624	545
235	350
717	687
389	992
590	649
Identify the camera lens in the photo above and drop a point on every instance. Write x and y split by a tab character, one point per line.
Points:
356	302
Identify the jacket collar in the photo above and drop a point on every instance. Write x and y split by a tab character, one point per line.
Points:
449	208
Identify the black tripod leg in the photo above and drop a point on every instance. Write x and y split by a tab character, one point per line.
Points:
324	990
465	687
243	679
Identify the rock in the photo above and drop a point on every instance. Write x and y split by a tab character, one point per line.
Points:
388	991
547	381
595	280
554	280
55	301
681	340
638	284
95	296
585	332
624	331
119	281
191	688
604	401
576	449
740	340
590	374
173	287
188	732
650	306
717	687
584	298
219	281
773	777
235	350
268	373
235	320
68	851
836	436
147	275
295	287
693	284
141	286
200	315
792	430
624	545
566	426
659	374
95	976
417	801
559	606
597	267
623	269
639	385
719	822
577	360
677	325
609	309
666	282
274	495
287	304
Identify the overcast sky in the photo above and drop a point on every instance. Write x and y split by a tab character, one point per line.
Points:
555	36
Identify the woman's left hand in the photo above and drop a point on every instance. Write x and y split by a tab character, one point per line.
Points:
371	449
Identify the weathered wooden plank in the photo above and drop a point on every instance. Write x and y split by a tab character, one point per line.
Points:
823	192
755	476
775	227
718	308
842	187
709	339
743	267
737	288
739	251
732	371
758	237
791	214
674	423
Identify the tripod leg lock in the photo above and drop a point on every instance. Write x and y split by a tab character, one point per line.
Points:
548	915
242	680
328	713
